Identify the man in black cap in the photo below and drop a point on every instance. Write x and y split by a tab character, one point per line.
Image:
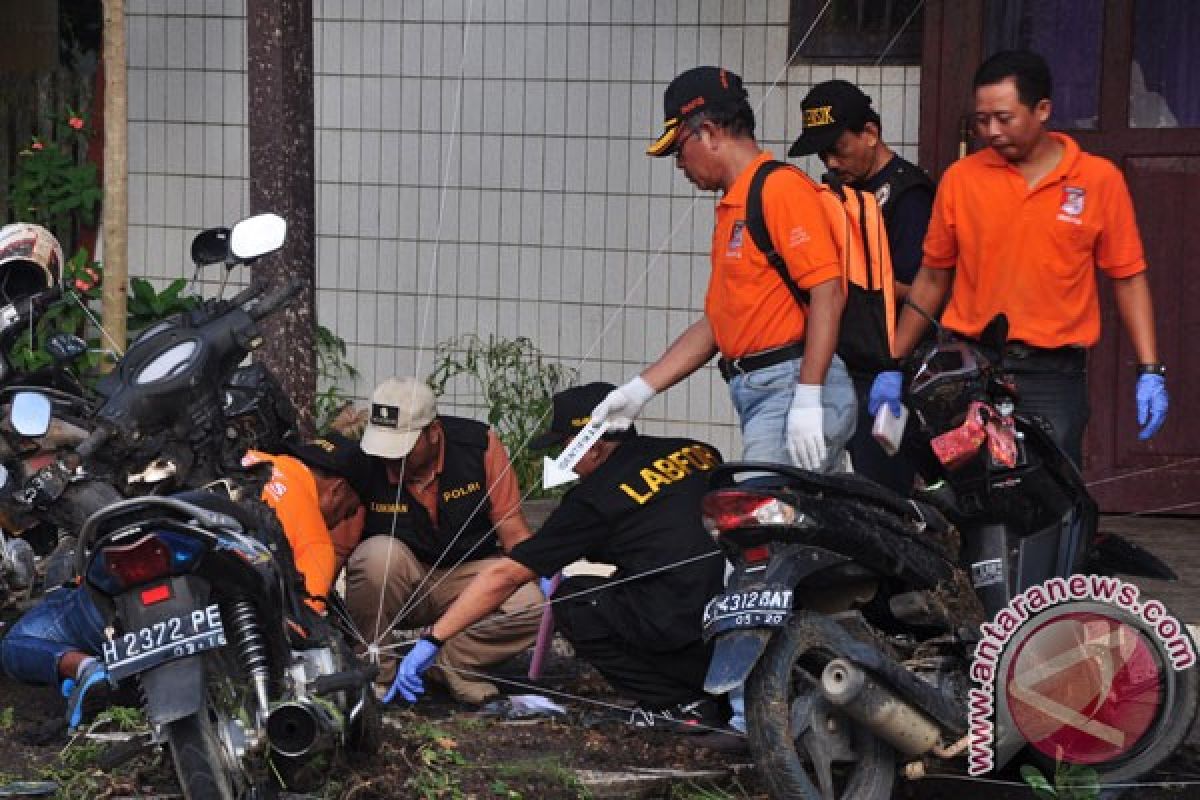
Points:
842	129
637	506
792	393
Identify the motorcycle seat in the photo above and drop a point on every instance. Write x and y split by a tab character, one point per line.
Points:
220	504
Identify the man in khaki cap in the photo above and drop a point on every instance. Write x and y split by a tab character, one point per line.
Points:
442	504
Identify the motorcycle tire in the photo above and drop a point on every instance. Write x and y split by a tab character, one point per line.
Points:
198	758
1176	712
785	676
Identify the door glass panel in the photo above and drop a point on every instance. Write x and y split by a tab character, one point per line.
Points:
1068	34
1164	87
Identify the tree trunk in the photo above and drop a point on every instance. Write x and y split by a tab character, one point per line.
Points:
115	224
279	76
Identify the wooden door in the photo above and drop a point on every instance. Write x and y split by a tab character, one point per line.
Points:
1155	139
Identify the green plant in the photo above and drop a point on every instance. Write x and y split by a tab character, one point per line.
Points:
7	719
332	368
147	306
52	184
1071	782
515	382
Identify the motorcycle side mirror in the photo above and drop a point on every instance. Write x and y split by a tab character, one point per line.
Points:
30	414
3	477
65	347
211	247
257	236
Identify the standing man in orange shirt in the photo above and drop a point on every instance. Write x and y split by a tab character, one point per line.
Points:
792	394
442	505
1020	228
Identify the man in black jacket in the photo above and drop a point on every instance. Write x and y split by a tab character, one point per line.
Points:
637	507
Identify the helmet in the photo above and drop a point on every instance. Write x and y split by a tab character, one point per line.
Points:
31	261
947	376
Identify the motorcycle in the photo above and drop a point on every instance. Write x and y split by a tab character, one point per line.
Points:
858	619
239	677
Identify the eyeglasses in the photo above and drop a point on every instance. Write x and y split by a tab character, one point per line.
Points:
684	137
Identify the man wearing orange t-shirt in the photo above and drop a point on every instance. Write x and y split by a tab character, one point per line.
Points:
793	395
1020	228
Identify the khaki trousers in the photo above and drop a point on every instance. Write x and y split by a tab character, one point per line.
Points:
372	571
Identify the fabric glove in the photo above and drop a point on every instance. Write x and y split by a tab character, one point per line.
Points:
806	428
408	681
1151	393
90	684
623	404
547	586
886	388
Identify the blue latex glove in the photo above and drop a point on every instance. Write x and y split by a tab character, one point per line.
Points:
92	683
547	586
886	388
408	681
1151	393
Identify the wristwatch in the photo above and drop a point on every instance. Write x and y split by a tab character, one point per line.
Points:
1157	368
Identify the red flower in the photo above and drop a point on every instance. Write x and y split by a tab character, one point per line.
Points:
76	123
82	285
37	146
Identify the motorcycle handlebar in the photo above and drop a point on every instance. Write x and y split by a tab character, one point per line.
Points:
272	300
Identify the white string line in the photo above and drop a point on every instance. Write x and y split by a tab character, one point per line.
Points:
658	715
1146	471
498	616
443	191
888	48
71	295
416	598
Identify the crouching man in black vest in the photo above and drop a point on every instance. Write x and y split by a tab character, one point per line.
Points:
638	507
442	505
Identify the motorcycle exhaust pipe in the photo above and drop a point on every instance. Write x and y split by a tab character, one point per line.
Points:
878	709
301	728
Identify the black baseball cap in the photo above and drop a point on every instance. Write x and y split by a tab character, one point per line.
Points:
830	108
332	453
572	412
698	89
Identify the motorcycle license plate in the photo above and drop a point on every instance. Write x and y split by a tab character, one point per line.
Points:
750	608
175	637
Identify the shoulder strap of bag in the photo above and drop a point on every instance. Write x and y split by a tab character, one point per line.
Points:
756	226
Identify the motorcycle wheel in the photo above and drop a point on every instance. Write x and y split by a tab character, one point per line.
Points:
1178	699
198	757
803	748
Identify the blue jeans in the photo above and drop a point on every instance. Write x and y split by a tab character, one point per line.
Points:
762	399
66	620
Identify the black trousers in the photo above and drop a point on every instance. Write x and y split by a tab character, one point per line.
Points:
1053	385
895	472
640	670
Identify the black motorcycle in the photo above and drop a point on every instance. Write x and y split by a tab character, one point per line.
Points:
239	677
859	620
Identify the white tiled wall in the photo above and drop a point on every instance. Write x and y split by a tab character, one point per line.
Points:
480	169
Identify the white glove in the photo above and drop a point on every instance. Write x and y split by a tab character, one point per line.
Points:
623	404
806	428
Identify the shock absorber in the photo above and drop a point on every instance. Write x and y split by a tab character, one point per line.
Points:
251	648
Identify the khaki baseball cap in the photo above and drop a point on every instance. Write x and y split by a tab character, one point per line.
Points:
400	410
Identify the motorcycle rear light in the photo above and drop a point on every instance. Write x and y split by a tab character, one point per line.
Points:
154	556
728	510
145	560
156	594
756	554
